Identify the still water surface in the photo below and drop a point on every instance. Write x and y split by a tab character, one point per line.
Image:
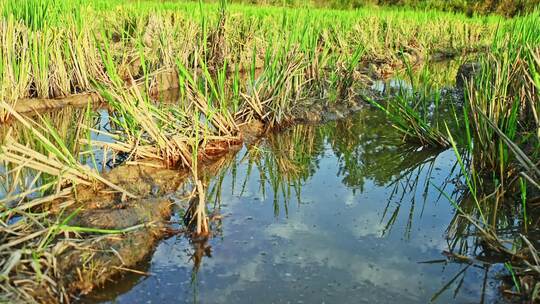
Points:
340	213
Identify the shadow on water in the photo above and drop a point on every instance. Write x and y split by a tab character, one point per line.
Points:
337	213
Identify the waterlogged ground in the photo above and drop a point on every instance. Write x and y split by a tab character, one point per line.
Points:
340	213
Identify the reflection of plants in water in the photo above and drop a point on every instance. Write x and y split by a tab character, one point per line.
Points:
363	146
474	243
284	162
416	106
365	151
416	174
292	161
505	240
367	148
201	249
456	283
56	138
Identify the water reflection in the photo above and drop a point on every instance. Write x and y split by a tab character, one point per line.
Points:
337	213
67	128
71	129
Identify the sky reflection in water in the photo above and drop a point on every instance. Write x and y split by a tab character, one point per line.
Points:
333	214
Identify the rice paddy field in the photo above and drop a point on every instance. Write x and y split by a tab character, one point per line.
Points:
214	152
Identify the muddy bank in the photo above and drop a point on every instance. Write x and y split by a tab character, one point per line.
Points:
115	235
93	262
321	112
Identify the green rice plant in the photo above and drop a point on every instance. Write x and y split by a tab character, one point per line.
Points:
167	132
519	167
36	14
414	128
503	95
345	82
530	169
180	31
278	88
499	136
413	111
501	109
485	105
40	62
15	62
523	189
